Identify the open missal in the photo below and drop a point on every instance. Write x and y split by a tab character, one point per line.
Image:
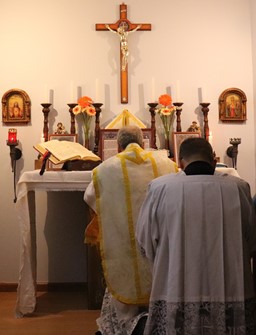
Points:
63	151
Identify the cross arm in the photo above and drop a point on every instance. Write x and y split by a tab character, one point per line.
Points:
102	26
143	26
131	26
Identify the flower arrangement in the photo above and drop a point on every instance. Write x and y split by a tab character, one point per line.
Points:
167	113
87	111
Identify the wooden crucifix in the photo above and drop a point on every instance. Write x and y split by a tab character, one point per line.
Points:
123	27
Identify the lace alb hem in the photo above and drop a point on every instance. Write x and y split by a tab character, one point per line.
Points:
207	318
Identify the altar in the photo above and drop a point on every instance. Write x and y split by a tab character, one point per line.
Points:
29	183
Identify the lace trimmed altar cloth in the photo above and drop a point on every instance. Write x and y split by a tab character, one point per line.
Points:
28	183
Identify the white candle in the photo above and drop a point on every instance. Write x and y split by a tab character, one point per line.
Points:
153	90
42	138
204	96
178	91
96	90
79	92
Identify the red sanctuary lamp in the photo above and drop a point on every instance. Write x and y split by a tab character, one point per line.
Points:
15	153
12	137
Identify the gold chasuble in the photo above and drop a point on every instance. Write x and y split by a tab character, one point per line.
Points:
120	184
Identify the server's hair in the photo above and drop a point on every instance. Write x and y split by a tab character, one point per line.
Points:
195	148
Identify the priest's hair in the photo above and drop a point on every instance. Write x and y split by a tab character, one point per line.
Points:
129	134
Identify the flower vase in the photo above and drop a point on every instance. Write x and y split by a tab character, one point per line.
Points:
86	139
168	142
86	143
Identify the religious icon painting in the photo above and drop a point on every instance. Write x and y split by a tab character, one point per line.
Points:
232	105
16	107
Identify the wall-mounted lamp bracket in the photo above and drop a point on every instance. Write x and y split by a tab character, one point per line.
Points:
15	154
232	151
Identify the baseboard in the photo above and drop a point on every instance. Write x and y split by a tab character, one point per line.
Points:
47	287
58	287
8	287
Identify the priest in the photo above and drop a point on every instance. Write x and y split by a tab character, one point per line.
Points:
116	193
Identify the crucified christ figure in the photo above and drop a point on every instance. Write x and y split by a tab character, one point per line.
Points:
122	32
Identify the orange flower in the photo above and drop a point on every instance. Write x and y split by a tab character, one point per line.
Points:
165	100
166	111
90	111
77	110
85	101
86	111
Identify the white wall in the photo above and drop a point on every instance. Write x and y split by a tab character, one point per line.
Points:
54	43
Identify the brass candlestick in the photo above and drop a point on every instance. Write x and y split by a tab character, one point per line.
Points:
46	110
72	118
152	110
205	111
97	106
232	151
178	112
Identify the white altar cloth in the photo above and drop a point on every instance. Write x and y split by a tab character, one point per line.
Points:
230	171
28	183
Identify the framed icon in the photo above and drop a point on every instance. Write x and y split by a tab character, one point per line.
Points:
63	137
232	105
16	107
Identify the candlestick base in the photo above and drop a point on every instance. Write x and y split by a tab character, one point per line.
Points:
46	111
205	111
97	106
72	117
152	111
178	106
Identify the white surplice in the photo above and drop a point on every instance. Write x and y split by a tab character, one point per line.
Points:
199	232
